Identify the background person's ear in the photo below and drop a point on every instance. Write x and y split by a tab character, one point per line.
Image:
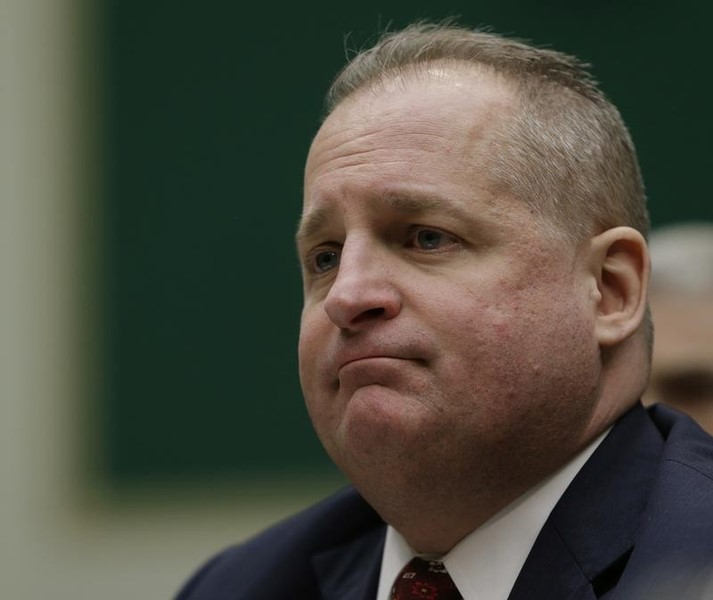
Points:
620	260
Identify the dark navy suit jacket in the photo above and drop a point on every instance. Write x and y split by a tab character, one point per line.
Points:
636	523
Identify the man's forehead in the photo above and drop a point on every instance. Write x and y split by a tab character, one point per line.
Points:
440	98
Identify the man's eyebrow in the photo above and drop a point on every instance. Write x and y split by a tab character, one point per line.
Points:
404	204
310	223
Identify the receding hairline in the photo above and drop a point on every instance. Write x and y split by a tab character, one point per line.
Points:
517	60
398	76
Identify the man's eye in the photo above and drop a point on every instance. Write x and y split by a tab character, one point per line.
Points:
430	239
325	260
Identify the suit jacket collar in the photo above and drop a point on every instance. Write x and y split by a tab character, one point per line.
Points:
585	544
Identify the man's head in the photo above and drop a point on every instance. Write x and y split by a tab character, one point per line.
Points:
682	305
474	275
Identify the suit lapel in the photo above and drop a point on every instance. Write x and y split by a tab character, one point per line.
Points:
351	571
585	544
551	572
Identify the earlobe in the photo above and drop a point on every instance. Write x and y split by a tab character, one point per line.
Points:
620	263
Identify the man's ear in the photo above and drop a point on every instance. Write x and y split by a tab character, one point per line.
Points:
620	263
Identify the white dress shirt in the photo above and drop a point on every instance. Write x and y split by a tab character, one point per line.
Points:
485	564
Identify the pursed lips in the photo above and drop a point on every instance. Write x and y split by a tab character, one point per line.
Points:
369	357
375	357
376	354
368	369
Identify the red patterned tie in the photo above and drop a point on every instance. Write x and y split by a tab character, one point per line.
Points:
424	580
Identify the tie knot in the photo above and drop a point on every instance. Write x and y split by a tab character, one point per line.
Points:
424	579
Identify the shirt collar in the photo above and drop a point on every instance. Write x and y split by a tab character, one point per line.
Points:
485	564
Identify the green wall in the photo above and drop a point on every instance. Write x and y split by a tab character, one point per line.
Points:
208	109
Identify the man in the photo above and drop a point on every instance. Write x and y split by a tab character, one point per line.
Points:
474	343
681	299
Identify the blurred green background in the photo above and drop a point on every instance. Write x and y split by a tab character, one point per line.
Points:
208	109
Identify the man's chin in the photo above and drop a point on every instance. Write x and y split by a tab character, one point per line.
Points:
378	419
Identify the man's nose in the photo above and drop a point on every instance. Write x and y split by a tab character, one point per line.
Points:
364	290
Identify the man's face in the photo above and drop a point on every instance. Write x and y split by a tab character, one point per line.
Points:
443	329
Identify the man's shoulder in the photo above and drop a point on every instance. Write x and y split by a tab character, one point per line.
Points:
639	511
687	447
284	551
652	475
673	547
678	457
